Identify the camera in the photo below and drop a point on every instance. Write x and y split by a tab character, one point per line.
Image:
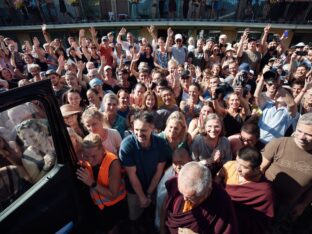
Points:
223	89
241	79
301	53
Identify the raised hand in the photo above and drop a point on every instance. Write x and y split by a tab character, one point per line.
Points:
81	32
85	176
83	42
267	28
80	65
136	56
36	41
170	32
216	154
308	83
43	27
293	56
61	61
151	29
93	32
123	31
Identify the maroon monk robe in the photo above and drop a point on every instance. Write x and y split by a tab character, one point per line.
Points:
254	205
215	215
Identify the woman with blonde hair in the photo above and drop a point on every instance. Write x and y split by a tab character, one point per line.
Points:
173	77
111	118
204	84
175	133
101	172
213	149
92	119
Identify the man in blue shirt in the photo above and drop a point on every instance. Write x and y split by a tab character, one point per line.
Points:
279	112
143	155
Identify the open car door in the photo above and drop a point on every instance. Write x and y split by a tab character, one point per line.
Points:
39	192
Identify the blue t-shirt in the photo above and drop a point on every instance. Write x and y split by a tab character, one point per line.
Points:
120	125
144	159
274	122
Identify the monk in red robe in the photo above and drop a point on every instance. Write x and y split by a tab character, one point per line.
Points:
250	191
197	204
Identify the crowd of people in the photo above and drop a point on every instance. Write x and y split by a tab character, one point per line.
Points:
178	135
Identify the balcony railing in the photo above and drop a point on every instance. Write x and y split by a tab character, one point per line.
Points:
35	12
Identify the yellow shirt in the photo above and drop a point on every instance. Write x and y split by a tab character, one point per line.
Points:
230	173
187	206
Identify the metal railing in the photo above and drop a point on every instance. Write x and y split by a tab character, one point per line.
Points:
35	12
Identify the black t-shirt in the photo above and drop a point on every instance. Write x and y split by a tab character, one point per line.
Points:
149	61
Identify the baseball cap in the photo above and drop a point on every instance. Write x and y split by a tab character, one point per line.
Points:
185	74
299	45
210	39
244	67
104	38
230	48
272	59
95	81
110	34
271	75
107	67
177	37
51	72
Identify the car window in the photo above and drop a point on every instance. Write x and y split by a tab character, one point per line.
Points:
27	151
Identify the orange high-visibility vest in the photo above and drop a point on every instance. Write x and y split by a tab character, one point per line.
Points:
103	180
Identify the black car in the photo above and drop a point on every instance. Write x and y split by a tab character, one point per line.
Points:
39	192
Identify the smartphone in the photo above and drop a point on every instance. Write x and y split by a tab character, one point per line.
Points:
285	33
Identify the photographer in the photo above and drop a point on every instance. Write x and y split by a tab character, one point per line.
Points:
245	76
299	64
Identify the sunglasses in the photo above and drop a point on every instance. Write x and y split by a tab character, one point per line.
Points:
244	140
270	84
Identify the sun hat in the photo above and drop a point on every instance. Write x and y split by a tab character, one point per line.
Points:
68	110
